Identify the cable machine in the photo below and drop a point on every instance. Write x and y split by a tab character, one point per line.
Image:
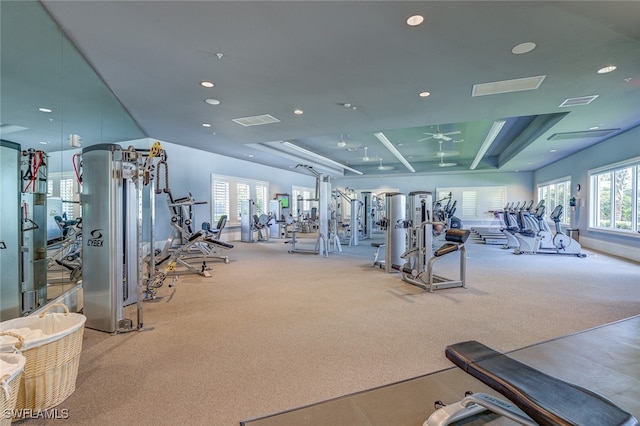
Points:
112	211
395	231
10	232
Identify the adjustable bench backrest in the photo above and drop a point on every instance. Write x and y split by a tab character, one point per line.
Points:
546	399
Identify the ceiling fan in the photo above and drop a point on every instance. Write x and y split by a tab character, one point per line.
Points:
381	167
443	154
349	145
438	135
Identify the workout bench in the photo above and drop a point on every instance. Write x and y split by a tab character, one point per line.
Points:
534	398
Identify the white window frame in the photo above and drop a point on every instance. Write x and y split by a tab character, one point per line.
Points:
258	192
634	165
565	183
70	195
307	194
484	199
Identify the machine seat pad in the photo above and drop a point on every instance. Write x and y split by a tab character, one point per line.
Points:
195	236
457	235
445	249
546	399
377	245
218	243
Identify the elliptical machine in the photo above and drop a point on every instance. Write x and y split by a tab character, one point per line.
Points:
543	241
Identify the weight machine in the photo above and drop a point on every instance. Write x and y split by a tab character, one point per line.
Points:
355	207
113	193
395	226
418	262
185	245
251	223
326	236
23	234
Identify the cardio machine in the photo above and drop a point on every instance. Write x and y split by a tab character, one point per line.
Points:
543	241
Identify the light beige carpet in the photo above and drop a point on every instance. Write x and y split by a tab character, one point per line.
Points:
272	331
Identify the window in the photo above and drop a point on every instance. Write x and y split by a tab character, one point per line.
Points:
228	192
301	200
473	203
615	197
243	192
66	194
65	187
220	197
556	193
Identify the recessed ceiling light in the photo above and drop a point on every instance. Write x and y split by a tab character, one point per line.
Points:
206	125
207	84
415	20
298	111
424	94
594	128
212	101
43	109
553	150
43	142
607	69
525	47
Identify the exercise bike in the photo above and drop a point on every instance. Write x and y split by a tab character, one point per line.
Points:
543	241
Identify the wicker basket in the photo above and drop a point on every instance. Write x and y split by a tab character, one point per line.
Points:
51	366
10	384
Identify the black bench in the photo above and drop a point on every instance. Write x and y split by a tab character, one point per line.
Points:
546	399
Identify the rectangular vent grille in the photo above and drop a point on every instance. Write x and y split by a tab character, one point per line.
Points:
507	86
583	100
10	128
600	133
256	120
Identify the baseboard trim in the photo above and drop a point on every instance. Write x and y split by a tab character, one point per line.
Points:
615	249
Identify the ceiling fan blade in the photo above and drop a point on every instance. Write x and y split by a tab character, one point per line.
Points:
457	132
425	139
447	154
445	138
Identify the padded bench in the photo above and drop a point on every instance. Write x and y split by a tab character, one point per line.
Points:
545	399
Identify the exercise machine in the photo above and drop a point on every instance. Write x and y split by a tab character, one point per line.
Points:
251	223
10	231
542	241
115	192
395	237
532	397
326	236
34	263
417	269
446	214
24	258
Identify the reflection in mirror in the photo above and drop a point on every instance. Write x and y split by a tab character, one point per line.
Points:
42	69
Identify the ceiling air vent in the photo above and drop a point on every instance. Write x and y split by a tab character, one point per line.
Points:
10	128
256	120
507	86
583	100
600	133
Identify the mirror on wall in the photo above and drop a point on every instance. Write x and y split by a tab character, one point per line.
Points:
52	104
